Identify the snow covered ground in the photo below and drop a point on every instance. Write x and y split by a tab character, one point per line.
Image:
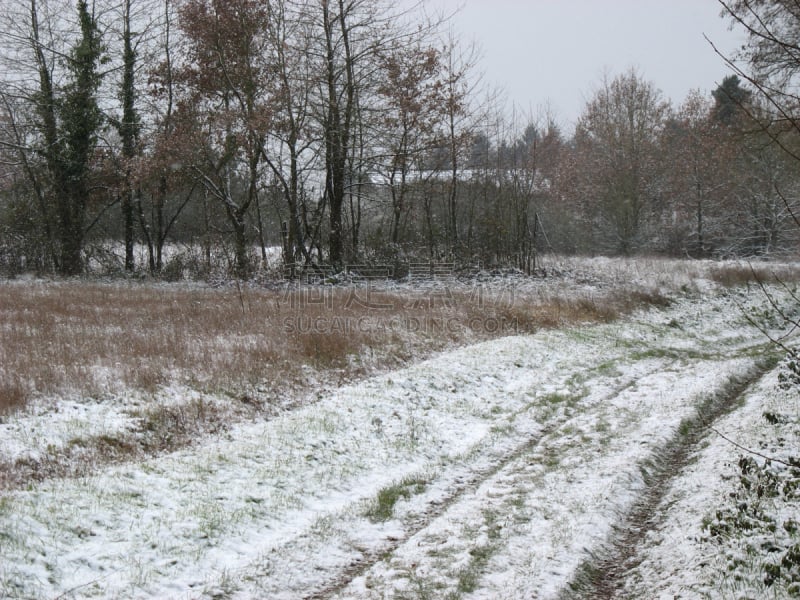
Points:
492	471
729	568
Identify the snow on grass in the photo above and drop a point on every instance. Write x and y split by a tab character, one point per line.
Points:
49	427
533	519
496	464
682	558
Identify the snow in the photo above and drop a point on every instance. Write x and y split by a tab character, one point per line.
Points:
705	486
54	424
524	452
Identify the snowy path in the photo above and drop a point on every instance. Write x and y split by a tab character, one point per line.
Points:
501	465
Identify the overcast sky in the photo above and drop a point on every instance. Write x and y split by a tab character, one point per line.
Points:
556	51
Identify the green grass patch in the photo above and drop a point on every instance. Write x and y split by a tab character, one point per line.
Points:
382	508
469	576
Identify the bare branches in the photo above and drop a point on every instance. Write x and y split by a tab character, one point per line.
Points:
751	451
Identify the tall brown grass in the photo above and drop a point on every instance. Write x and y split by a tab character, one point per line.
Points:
13	394
739	274
95	339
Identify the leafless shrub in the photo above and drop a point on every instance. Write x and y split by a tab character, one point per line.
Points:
166	427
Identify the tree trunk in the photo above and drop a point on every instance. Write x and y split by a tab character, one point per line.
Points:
129	132
242	266
337	127
71	237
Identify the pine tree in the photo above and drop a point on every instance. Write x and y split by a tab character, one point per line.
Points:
730	99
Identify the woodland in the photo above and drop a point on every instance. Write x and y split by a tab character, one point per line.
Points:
186	137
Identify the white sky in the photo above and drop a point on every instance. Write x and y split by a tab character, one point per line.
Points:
555	52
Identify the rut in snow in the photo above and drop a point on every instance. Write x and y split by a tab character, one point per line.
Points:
603	574
460	487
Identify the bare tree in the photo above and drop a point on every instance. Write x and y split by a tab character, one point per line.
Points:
289	146
230	75
702	151
460	118
159	161
338	17
412	104
617	137
353	35
129	128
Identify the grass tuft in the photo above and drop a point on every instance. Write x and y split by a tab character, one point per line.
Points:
383	507
13	395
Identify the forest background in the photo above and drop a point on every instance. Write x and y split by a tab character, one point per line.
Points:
193	137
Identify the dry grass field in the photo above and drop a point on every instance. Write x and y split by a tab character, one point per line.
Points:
91	338
250	351
94	338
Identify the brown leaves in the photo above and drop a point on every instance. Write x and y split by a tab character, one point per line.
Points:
228	50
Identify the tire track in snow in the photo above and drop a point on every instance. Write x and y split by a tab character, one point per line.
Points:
527	474
603	575
462	482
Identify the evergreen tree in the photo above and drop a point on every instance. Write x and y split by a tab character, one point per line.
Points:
730	98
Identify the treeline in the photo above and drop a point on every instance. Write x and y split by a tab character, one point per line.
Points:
347	131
